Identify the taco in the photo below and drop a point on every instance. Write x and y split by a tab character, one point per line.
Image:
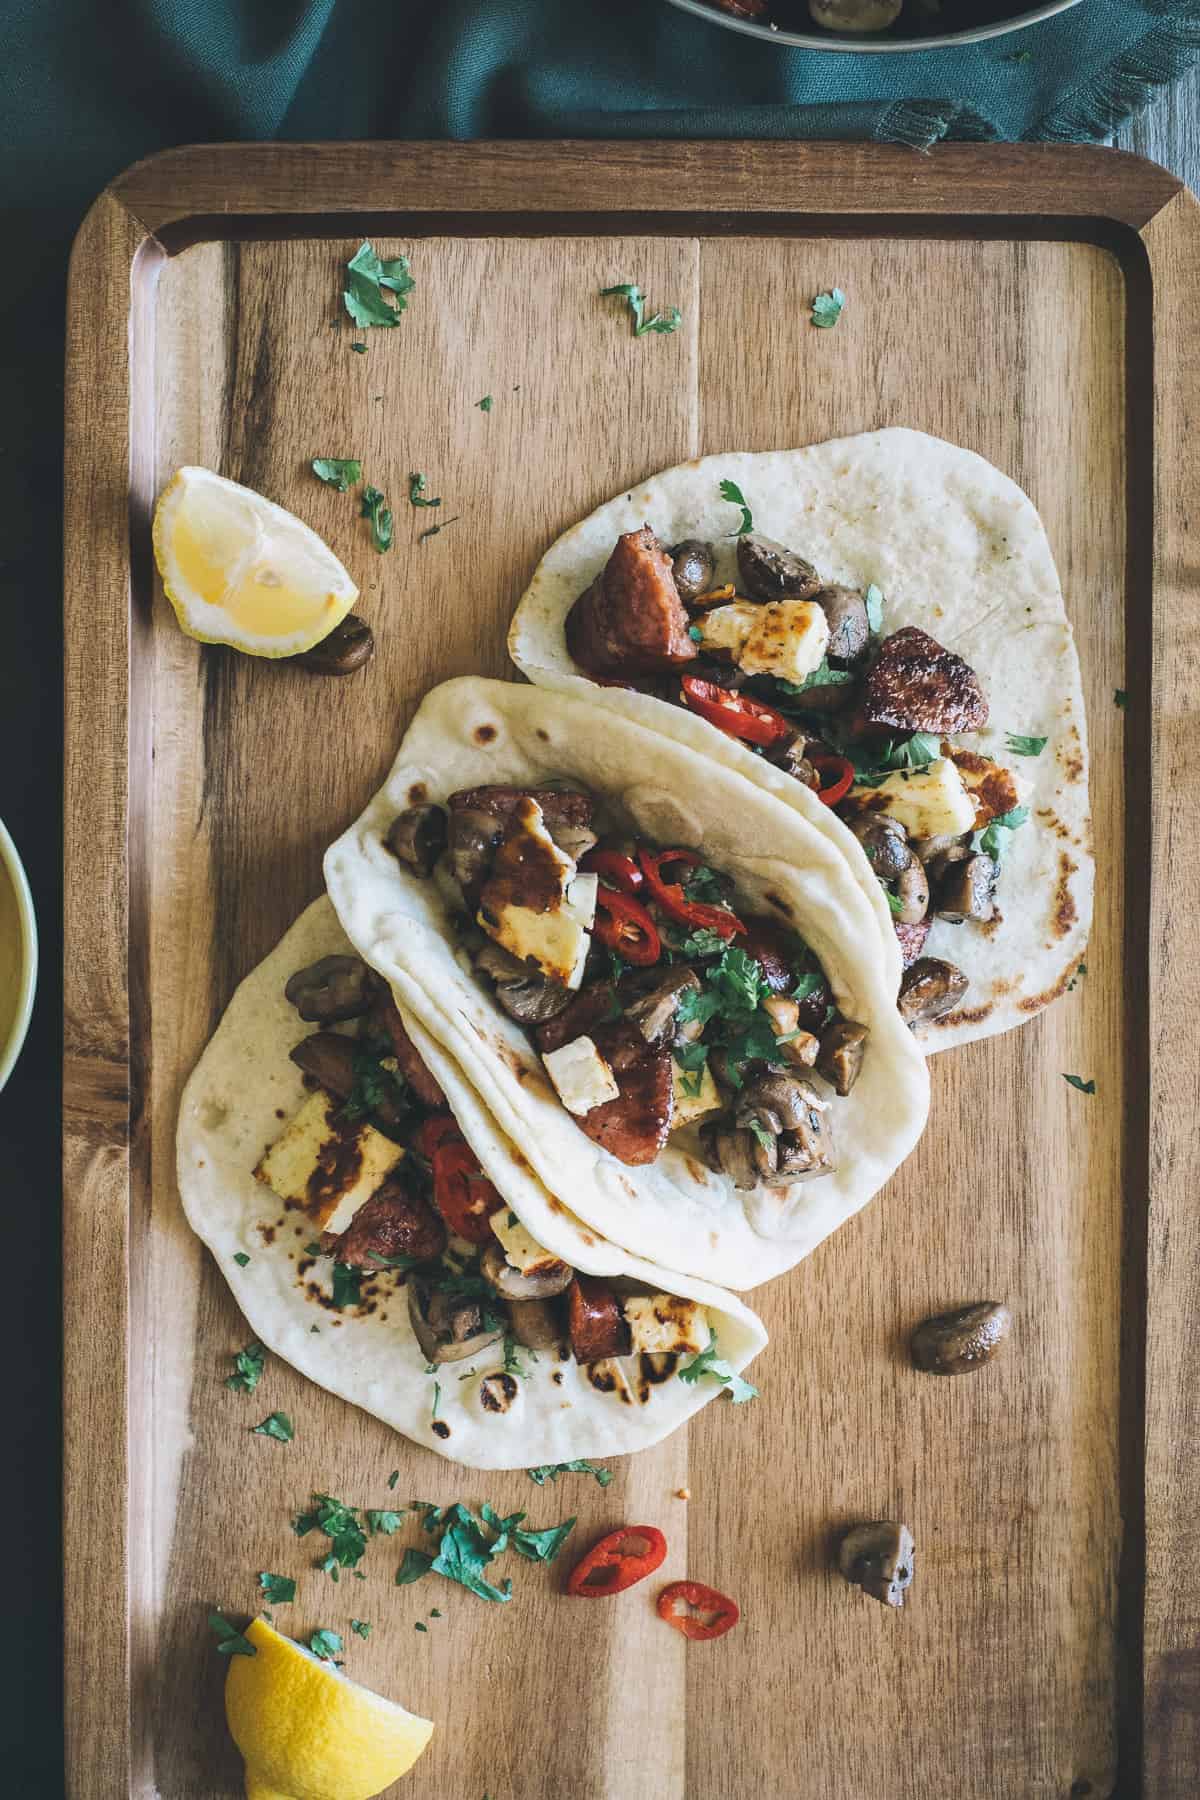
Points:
367	1244
664	986
873	631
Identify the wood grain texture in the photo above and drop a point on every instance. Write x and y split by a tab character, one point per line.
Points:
203	788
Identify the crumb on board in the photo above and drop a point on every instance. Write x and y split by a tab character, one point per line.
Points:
683	1493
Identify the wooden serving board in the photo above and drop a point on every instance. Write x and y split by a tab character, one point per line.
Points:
1040	305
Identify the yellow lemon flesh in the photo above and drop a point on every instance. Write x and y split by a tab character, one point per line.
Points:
307	1733
240	570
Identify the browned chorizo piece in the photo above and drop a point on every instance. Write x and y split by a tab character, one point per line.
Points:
595	1323
916	684
635	1126
393	1222
631	620
912	940
774	948
590	1007
385	1019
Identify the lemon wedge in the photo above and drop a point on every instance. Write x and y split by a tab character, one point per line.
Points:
240	570
306	1733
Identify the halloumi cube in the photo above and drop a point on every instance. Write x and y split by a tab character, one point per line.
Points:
555	941
696	1093
928	802
728	627
788	639
521	1248
326	1163
555	936
663	1324
581	1075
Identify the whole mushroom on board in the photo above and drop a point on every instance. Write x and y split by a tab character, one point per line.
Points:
954	1343
878	1558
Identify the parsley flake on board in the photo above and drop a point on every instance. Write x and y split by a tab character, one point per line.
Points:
386	1522
230	1641
669	321
578	1466
1025	746
393	1478
485	405
240	1258
247	1369
416	1563
732	492
276	1425
1077	1081
432	530
342	1526
827	309
325	1644
280	1590
990	841
1120	697
416	491
1081	970
420	1626
360	348
375	508
369	280
361	1626
340	472
347	1286
710	1362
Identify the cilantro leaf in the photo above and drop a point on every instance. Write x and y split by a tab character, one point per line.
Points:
1120	697
375	508
347	1286
247	1369
420	1625
705	942
360	348
1080	971
240	1258
541	1546
393	1478
895	904
578	1466
431	531
732	492
361	1626
376	1084
275	1425
512	1361
437	1399
230	1641
416	1563
827	309
416	491
278	1589
368	279
313	1249
485	405
325	1644
990	841
659	322
386	1522
1077	1081
710	1362
464	1553
693	1060
338	472
1025	746
695	633
341	1525
873	600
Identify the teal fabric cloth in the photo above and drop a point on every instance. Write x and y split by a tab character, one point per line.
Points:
89	86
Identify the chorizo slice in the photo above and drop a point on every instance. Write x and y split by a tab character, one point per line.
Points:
386	1020
916	684
631	620
635	1126
595	1323
393	1222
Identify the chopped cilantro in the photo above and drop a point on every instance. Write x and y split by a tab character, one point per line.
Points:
437	1399
338	472
1025	746
710	1362
633	295
347	1286
485	405
760	1133
280	1590
386	1522
1120	697
326	1644
240	1258
230	1642
435	1612
914	752
616	966
541	1546
807	986
827	309
895	904
360	348
416	1563
820	677
361	1626
393	1478
578	1466
703	883
420	1626
512	1219
693	1060
705	942
1081	970
313	1249
512	1361
1077	1081
464	1554
416	491
341	1525
873	600
275	1425
695	633
247	1369
732	492
431	531
369	280
375	508
375	1084
990	841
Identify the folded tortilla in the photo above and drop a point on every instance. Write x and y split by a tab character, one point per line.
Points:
233	1107
676	1210
956	548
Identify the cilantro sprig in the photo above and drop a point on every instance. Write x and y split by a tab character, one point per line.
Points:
342	1525
1077	1081
990	840
370	280
280	1590
340	472
230	1641
1025	746
827	309
470	1543
276	1425
732	492
578	1466
248	1366
662	322
376	509
417	485
711	1362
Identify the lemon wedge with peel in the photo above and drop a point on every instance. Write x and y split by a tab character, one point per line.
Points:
307	1733
240	570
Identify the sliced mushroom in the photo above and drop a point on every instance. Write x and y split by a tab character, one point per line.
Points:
912	892
878	1558
884	843
785	1097
796	1046
841	1057
966	892
472	837
347	647
954	1343
730	1153
940	863
929	847
653	1012
336	988
770	571
535	1325
417	837
328	1057
539	1284
448	1327
808	1149
693	564
573	840
525	994
789	755
849	629
930	988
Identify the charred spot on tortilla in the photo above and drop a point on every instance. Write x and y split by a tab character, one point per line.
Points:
440	1429
267	1233
418	793
658	1365
962	1015
1063	914
497	1391
544	735
484	735
556	1376
607	1378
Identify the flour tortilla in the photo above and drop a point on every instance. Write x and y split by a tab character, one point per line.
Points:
228	1116
957	549
676	1211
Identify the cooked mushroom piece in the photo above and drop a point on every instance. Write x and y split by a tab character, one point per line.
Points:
808	1150
328	1057
930	988
927	848
884	843
939	863
653	1012
526	995
693	564
346	648
786	1097
539	1284
790	1138
448	1327
770	571
789	755
878	1558
841	1056
849	629
796	1045
417	837
730	1153
954	1343
473	835
912	892
337	987
966	891
535	1325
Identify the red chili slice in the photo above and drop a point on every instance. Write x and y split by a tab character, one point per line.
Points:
619	870
462	1193
718	1613
624	925
675	903
609	1569
734	713
837	775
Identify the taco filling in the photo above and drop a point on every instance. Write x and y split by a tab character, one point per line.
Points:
658	1004
803	674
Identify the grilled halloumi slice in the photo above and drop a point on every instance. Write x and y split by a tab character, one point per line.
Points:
663	1324
520	1247
727	627
326	1163
555	935
581	1076
788	639
928	802
696	1094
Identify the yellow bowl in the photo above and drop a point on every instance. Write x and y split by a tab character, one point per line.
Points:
18	955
